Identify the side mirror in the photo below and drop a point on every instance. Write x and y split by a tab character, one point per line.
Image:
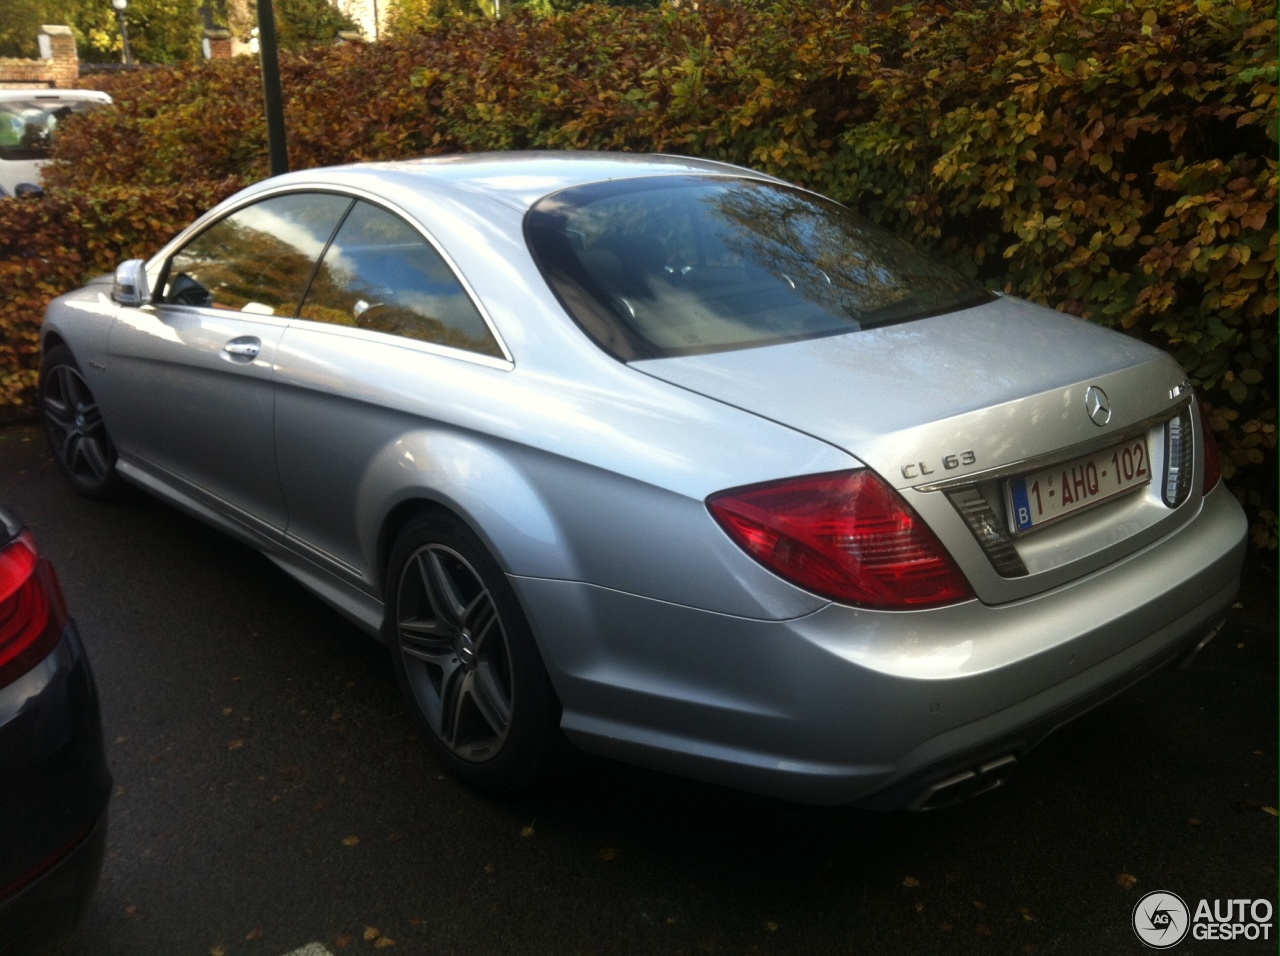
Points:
130	287
28	191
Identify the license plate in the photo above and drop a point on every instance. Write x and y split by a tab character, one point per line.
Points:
1056	492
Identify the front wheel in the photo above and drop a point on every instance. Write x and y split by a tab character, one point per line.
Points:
74	428
466	659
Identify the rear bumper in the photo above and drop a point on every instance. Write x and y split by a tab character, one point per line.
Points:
54	789
850	706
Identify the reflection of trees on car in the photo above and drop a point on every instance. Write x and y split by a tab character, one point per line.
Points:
377	272
380	274
828	256
239	265
260	256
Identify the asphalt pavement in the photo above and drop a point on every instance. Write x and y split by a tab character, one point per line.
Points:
273	796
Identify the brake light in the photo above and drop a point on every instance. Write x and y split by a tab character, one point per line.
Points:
32	612
1212	464
848	536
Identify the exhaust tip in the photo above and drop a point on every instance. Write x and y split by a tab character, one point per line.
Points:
965	785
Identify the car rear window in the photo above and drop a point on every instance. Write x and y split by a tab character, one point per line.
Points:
679	265
28	126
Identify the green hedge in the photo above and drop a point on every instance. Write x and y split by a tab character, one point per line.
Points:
1113	159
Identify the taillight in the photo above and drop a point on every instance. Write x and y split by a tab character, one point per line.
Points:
848	536
1212	465
32	613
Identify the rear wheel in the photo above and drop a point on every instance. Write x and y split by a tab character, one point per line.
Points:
466	659
74	428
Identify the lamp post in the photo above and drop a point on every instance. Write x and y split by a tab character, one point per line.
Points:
273	97
120	6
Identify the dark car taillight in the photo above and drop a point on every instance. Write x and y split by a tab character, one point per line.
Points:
1212	464
32	612
848	536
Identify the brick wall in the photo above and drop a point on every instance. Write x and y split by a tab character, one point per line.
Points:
58	66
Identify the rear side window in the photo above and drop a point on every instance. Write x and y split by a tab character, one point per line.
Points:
379	273
677	265
258	259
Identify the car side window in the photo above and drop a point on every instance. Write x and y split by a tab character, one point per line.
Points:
379	273
258	259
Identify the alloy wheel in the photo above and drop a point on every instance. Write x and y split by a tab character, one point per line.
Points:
455	652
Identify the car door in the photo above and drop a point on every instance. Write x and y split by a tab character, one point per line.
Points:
196	410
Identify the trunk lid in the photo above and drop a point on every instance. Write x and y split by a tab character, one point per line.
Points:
954	409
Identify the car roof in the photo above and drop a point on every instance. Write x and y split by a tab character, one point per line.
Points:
39	94
514	179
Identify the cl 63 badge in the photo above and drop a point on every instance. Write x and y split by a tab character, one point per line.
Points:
921	469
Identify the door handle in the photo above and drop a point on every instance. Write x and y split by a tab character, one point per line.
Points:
247	347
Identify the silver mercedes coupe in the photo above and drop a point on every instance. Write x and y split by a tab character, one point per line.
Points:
664	457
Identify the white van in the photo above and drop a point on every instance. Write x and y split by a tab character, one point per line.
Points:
28	124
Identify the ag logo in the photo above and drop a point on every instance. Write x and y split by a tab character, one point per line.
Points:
1161	920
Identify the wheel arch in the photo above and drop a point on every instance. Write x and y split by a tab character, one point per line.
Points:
52	339
474	483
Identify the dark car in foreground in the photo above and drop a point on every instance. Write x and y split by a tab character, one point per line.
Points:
685	463
54	781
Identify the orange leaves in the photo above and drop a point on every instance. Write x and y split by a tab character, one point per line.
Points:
1120	166
55	244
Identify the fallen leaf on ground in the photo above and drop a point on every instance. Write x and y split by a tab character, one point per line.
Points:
910	882
372	932
384	942
217	951
343	941
771	926
1127	880
608	853
1271	810
253	935
527	832
351	841
234	744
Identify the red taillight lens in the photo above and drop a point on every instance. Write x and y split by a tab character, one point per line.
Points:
32	613
1212	464
847	536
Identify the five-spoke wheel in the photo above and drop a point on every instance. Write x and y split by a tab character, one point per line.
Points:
74	427
466	659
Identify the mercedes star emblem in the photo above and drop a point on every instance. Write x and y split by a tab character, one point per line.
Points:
1097	405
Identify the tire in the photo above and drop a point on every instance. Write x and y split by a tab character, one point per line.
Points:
74	428
466	659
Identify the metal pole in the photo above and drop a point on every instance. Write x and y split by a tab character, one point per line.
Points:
277	147
124	36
